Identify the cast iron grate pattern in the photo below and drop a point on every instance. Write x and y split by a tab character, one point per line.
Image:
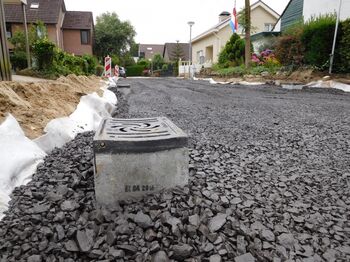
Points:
137	128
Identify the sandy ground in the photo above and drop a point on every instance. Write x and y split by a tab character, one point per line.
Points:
35	102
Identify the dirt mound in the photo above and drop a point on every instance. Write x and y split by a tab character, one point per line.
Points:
35	104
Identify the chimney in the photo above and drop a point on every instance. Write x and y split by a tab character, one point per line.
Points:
224	15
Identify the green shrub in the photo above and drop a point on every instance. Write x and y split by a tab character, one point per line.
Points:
99	70
135	70
115	60
19	60
44	52
343	64
144	63
157	61
90	64
231	71
233	52
317	38
289	50
165	67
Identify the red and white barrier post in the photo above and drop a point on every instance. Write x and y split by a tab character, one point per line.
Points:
116	70
108	66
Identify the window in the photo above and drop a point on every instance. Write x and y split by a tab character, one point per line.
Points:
39	32
8	30
85	37
268	27
34	5
200	57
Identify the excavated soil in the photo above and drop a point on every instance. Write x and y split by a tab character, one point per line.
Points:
35	104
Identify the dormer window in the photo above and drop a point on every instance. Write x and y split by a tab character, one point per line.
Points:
34	5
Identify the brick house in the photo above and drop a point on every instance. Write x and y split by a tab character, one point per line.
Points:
147	51
72	31
170	50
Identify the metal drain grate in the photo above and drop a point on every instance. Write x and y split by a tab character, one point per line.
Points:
145	134
135	157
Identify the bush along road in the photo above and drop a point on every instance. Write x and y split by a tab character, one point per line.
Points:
269	181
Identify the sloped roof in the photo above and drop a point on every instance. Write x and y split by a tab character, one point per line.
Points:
170	48
48	11
212	30
151	49
225	22
77	20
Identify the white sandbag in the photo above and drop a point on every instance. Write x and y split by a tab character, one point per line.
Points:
91	110
87	117
19	158
58	132
110	97
329	84
112	82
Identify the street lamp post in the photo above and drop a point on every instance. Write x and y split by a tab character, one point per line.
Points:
24	3
191	23
335	39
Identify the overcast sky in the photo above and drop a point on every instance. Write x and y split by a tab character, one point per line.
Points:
160	21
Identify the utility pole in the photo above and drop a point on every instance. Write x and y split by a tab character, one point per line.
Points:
247	34
335	39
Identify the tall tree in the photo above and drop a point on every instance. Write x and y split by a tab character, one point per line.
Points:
113	36
177	53
247	34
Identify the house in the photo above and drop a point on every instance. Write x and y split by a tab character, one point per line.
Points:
78	28
207	46
173	51
147	51
303	10
70	30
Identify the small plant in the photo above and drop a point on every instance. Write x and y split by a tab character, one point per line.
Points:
266	58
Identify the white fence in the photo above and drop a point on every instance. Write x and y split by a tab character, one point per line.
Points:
187	68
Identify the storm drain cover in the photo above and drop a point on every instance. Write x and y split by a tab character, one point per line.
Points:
138	135
134	157
123	86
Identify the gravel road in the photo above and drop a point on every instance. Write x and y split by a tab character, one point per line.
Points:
269	181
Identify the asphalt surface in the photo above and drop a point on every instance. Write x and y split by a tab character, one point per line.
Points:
269	181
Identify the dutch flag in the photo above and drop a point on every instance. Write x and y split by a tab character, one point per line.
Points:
233	21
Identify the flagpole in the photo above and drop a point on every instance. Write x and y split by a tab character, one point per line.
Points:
335	39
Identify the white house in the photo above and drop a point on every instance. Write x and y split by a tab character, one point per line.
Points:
207	46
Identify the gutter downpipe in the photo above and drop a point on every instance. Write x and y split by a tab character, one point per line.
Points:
219	47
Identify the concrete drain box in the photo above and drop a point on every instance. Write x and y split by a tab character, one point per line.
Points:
134	157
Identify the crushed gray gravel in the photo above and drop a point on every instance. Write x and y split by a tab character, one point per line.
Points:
269	181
